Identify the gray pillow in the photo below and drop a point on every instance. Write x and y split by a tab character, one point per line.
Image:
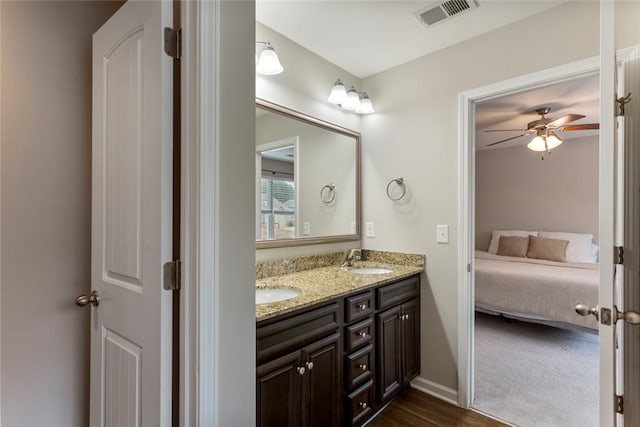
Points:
549	249
513	246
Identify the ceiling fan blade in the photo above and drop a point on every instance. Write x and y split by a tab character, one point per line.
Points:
505	140
564	120
505	130
585	126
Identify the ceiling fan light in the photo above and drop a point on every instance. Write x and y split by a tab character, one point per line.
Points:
352	102
365	107
338	93
268	62
553	141
537	144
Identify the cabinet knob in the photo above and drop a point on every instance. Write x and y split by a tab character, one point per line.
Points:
362	334
363	405
309	366
301	370
362	307
362	367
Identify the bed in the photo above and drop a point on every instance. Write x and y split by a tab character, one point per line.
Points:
536	290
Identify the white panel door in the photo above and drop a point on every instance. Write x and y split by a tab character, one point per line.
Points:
131	218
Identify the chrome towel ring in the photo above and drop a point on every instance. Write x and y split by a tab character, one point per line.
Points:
400	183
328	193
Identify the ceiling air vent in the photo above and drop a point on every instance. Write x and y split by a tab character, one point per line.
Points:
438	12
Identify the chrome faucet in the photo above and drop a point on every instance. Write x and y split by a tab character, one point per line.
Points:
353	255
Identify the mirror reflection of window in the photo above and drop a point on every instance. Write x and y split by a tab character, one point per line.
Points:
277	194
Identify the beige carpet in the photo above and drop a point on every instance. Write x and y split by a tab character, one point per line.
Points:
535	376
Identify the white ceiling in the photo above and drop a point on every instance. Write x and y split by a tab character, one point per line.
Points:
366	37
578	96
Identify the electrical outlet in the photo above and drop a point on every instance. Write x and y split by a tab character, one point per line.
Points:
306	229
442	233
371	229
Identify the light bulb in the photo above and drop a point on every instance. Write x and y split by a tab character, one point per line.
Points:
352	101
365	106
338	93
268	62
538	143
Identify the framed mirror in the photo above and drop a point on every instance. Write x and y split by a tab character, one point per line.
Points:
307	179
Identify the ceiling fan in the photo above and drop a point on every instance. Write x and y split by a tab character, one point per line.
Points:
545	128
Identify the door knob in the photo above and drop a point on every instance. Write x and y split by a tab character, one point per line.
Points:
629	316
585	310
93	299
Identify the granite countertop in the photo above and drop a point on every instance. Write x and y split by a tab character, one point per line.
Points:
325	283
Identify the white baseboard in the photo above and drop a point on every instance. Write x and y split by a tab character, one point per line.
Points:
447	394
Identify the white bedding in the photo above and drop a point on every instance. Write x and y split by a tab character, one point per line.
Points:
538	290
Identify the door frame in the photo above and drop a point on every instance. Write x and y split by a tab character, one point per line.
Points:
217	307
466	167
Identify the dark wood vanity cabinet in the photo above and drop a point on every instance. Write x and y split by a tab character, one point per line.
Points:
299	369
318	367
398	336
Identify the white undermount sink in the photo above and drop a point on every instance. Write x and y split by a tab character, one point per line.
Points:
268	295
370	270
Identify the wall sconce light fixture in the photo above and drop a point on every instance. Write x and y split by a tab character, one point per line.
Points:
351	100
267	61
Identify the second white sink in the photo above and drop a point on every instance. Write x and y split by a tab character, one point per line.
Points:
268	295
369	270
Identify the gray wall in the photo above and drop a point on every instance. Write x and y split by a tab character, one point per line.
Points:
46	209
517	190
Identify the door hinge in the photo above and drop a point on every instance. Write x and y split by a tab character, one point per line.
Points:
619	403
468	268
171	273
622	101
618	255
173	42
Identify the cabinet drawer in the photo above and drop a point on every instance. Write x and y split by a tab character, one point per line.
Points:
358	367
285	335
358	306
359	334
359	404
399	292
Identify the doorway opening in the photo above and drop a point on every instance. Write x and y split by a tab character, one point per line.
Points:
497	183
536	235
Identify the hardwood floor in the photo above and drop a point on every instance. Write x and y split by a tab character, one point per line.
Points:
412	408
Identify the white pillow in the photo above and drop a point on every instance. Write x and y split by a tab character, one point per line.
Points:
579	247
495	237
594	252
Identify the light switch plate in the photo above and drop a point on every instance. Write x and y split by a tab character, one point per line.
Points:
442	233
306	229
371	229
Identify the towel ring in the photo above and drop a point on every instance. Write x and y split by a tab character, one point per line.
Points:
328	193
401	184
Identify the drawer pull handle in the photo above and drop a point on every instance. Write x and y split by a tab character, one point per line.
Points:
362	367
309	366
362	307
363	405
301	370
362	334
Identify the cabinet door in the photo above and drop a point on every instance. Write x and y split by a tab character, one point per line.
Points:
322	386
389	373
278	392
411	340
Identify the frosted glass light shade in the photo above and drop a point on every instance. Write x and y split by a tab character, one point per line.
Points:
268	62
365	105
352	101
537	143
338	93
